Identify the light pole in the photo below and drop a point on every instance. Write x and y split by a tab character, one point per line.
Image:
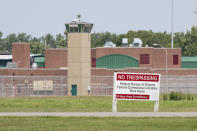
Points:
172	24
166	52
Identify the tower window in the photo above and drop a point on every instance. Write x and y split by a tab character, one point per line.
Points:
87	29
144	59
73	29
175	59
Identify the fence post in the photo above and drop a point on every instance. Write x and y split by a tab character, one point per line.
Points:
2	87
28	90
62	89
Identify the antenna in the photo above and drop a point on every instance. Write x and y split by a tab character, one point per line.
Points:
79	17
45	44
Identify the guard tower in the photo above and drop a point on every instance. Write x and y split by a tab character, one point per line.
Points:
79	59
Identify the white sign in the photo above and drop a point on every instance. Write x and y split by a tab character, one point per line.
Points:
46	85
136	86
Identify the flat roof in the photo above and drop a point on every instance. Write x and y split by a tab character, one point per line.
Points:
5	57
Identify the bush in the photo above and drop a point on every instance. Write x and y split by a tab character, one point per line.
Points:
177	96
189	97
165	96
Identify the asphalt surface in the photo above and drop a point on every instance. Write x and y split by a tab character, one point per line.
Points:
102	114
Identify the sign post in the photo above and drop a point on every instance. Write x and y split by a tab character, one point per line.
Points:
136	86
114	100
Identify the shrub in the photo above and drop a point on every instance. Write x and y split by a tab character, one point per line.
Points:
177	96
165	96
189	97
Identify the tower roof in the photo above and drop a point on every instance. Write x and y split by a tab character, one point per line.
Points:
78	26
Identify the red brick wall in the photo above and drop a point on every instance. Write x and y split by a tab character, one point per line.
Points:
94	71
171	71
33	72
93	53
134	52
157	56
109	72
55	58
21	55
93	57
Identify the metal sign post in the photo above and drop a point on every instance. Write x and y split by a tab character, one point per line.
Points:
114	100
156	107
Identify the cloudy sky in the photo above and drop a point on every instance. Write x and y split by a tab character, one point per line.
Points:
38	17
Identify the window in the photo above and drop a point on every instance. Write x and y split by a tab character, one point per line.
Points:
144	59
73	29
175	59
87	29
93	62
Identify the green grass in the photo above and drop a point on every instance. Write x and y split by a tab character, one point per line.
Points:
90	104
97	124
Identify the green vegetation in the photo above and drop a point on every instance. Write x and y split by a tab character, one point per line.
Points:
37	45
97	124
177	96
90	104
186	41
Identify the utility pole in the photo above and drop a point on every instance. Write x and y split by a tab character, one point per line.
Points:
172	24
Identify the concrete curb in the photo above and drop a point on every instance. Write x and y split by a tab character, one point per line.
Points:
102	114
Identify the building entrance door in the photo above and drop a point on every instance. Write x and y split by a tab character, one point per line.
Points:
74	90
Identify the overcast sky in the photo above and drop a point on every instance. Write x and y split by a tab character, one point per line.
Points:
38	17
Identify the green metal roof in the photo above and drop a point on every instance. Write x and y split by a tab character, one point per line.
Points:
116	61
39	59
189	58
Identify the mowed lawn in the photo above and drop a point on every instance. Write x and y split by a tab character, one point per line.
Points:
97	124
90	104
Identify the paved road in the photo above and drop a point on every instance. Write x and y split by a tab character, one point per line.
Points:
103	114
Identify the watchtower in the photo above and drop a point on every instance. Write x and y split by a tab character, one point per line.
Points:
79	59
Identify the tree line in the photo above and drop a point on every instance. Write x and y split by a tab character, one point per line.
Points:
186	41
37	45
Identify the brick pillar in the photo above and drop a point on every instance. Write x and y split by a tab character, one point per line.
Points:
21	54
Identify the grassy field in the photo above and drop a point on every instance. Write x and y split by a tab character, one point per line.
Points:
97	124
90	104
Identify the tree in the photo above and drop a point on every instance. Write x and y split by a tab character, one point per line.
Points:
61	41
186	41
50	41
1	34
9	40
23	37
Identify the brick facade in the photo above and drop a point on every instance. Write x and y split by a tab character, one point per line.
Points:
21	55
170	71
157	56
55	58
33	72
94	71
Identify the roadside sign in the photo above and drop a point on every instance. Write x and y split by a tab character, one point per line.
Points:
136	86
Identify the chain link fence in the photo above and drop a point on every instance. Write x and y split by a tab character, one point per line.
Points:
33	86
176	83
100	85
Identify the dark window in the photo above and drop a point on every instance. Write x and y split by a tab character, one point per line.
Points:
73	29
87	29
175	59
144	59
93	62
